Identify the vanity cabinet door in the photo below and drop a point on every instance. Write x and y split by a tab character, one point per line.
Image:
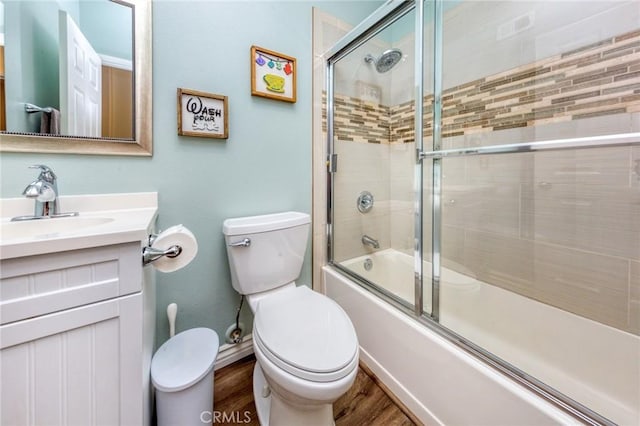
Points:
80	366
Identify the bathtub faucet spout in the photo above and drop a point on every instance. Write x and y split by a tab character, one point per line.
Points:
368	241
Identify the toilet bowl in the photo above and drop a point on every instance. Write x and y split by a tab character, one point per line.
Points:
305	345
307	363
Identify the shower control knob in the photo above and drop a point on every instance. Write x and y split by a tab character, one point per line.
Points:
365	202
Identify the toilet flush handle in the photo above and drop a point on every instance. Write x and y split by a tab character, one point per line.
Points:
242	243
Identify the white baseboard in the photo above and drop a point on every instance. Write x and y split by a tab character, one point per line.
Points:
230	353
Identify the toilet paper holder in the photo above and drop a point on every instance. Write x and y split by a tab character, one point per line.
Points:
151	254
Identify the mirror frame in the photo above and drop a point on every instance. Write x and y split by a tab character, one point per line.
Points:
142	144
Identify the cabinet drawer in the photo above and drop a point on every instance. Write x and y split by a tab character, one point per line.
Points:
38	285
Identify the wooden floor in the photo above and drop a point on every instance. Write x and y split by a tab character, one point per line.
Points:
364	404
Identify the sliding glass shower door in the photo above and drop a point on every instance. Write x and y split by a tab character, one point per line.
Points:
374	179
539	202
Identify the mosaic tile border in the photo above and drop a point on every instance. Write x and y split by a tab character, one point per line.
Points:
360	121
599	79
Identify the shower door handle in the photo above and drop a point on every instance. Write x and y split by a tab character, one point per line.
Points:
242	243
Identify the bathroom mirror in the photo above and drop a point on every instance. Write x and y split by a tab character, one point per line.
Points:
133	131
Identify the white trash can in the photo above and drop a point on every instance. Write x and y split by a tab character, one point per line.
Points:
182	373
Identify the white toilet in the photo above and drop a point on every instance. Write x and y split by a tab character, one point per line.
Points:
305	344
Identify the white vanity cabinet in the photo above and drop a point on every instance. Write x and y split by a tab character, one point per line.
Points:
73	337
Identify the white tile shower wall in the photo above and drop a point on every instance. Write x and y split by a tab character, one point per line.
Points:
501	214
396	85
575	209
402	75
562	228
472	50
557	28
590	284
401	189
361	167
564	91
352	69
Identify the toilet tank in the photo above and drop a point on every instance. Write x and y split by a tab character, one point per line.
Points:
273	254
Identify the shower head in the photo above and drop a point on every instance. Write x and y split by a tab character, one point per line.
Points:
386	61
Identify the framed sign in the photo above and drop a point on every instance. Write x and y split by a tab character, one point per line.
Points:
202	114
273	75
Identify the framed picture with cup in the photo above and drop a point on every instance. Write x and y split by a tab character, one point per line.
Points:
273	75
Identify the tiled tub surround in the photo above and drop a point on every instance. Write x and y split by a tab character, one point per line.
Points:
596	80
559	227
562	228
600	79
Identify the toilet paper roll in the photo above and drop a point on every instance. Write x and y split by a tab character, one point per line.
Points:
176	235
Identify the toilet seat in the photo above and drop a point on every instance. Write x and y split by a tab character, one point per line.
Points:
306	334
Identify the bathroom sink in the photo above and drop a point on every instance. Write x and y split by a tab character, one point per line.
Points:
47	227
103	219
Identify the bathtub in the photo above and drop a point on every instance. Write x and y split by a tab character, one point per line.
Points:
443	384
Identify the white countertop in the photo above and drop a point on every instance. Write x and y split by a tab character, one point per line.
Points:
131	217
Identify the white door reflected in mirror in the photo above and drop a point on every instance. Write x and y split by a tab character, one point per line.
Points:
80	82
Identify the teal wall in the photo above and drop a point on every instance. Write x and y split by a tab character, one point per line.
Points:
31	59
264	166
108	26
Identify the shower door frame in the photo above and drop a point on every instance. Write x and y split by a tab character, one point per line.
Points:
383	17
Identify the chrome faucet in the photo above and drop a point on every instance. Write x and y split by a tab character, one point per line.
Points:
368	241
45	191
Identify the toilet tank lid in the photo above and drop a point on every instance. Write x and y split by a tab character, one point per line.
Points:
184	359
264	223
